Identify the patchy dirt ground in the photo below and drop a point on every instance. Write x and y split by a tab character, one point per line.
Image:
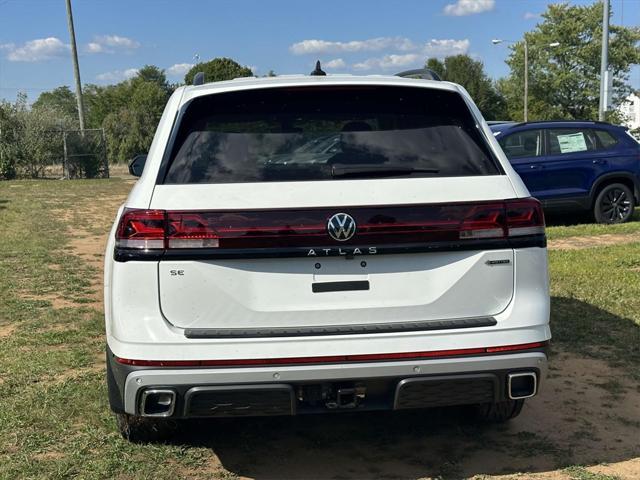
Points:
91	224
575	243
588	414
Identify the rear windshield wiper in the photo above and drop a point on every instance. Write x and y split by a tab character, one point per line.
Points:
377	170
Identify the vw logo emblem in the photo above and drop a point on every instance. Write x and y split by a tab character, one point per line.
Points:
341	227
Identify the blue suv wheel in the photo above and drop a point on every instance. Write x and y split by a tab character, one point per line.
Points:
614	204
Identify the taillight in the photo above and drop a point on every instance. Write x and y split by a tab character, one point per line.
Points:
142	229
416	225
190	230
483	221
524	217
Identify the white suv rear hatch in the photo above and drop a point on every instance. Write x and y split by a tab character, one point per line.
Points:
253	178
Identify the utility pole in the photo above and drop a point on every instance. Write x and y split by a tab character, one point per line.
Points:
76	68
604	60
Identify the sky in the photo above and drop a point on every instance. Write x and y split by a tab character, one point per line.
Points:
116	37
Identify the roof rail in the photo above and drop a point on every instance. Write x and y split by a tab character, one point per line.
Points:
420	73
562	121
198	78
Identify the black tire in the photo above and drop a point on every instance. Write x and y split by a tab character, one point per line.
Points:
614	204
498	412
138	429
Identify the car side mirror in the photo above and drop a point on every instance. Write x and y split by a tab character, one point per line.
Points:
136	166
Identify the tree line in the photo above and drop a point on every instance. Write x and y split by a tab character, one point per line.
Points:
128	112
563	84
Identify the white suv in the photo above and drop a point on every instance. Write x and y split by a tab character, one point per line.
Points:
308	244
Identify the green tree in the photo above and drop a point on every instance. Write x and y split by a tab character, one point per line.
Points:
128	111
60	99
101	101
217	70
30	139
153	74
564	81
129	130
465	71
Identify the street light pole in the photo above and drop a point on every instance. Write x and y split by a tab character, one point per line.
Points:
76	68
604	60
497	41
526	80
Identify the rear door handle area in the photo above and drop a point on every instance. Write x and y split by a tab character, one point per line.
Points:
599	161
535	167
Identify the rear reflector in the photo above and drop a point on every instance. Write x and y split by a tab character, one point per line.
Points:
406	224
332	358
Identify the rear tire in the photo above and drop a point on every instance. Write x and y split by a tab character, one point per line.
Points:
138	429
614	204
498	412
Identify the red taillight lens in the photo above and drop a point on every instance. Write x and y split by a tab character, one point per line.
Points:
524	217
406	224
190	230
483	221
143	229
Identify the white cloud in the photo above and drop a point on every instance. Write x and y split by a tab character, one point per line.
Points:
371	44
469	7
94	47
387	62
117	75
117	42
179	69
446	47
335	63
110	44
531	16
36	50
433	48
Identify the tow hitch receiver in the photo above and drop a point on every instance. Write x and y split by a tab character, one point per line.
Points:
345	397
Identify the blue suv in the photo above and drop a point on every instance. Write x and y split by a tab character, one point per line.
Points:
570	165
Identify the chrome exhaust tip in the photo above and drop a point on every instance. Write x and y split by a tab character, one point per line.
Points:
522	385
157	403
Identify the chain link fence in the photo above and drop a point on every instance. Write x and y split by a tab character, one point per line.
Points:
54	154
84	154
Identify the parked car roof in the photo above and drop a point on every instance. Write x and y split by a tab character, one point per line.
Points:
498	128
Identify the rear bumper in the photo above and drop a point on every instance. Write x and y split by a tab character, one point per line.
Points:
299	389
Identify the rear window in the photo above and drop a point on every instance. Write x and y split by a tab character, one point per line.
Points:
320	133
522	144
606	139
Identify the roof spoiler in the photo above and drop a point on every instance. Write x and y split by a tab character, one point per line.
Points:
420	73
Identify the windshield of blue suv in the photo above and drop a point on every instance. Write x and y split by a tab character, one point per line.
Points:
317	133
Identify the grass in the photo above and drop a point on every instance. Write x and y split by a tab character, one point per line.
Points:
566	226
54	417
596	303
54	420
580	473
